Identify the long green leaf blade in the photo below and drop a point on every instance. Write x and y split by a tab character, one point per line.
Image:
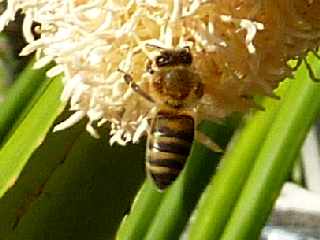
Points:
29	134
298	111
145	205
18	97
46	159
220	196
87	193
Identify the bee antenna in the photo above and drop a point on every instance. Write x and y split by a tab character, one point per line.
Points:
154	46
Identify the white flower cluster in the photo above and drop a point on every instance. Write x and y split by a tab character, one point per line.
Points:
90	40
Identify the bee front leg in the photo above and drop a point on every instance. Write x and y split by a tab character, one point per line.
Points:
207	141
149	68
135	87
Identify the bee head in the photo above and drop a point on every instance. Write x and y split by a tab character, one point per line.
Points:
174	57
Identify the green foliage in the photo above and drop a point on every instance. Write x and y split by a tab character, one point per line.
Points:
29	85
298	111
31	131
220	196
7	65
73	187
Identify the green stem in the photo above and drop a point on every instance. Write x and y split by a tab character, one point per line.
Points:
146	203
219	198
281	147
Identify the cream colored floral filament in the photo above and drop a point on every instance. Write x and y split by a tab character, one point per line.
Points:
240	49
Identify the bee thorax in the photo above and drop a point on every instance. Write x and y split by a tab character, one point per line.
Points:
176	84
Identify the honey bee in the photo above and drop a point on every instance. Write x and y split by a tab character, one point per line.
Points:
175	88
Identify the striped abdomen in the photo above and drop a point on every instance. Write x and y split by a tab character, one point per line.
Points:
168	147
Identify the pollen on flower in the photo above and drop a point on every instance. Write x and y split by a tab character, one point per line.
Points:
240	49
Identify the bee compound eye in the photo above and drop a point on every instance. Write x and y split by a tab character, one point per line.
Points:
162	60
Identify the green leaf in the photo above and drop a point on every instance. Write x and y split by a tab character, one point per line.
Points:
219	198
31	131
83	190
141	214
282	145
7	65
18	96
40	166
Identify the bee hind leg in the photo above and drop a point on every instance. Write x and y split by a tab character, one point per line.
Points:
207	141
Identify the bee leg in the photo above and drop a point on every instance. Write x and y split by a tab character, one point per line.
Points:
207	142
135	87
200	136
149	67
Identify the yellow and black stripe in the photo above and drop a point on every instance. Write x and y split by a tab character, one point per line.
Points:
168	147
